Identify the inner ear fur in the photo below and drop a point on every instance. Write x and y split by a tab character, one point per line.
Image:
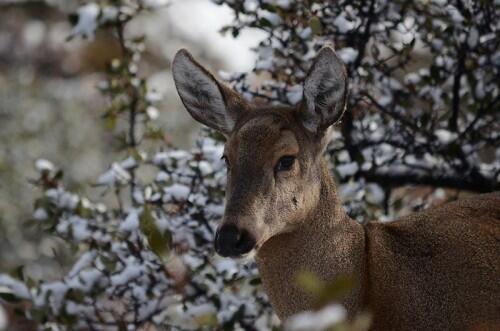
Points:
208	101
325	92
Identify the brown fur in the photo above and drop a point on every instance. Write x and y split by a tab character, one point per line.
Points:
434	270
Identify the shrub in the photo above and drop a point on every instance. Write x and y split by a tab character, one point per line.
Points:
424	90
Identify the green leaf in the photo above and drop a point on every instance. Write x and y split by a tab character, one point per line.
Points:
225	29
207	320
324	292
336	290
316	25
73	19
255	281
110	121
18	272
158	242
9	297
75	295
109	262
264	22
269	7
135	154
310	282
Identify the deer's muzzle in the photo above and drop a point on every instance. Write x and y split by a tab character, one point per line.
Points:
233	242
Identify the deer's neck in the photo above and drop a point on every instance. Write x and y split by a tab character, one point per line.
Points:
328	243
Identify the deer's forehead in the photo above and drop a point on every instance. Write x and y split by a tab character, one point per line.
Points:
264	134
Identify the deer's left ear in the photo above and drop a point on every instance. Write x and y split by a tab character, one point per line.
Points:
206	99
325	92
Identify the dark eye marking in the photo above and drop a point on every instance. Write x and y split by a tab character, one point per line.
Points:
285	163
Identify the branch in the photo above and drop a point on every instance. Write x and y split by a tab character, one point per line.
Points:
475	182
455	106
132	141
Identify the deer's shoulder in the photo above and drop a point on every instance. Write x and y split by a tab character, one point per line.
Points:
466	226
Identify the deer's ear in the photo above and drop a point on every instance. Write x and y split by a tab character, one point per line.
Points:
207	100
325	92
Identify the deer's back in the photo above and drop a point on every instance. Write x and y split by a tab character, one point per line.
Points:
438	269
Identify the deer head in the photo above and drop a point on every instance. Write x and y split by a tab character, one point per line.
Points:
273	154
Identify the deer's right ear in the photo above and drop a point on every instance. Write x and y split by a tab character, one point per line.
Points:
325	92
207	100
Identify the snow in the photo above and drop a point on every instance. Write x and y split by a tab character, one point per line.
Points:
178	192
305	33
440	193
216	211
479	90
162	176
166	158
40	214
473	37
128	163
87	20
153	4
342	24
226	267
200	310
80	230
251	5
265	59
444	136
280	3
131	222
412	78
455	14
273	18
138	196
83	262
347	54
347	169
295	93
487	37
154	96
437	44
89	278
153	112
130	272
205	168
63	199
316	321
117	174
109	13
57	291
43	165
212	152
17	287
374	194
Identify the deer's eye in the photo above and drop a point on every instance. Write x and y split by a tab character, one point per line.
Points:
226	161
285	163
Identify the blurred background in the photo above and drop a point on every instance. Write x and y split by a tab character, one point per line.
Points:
50	107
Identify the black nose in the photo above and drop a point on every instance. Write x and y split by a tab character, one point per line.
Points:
232	242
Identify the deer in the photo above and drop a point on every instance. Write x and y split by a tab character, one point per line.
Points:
437	269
